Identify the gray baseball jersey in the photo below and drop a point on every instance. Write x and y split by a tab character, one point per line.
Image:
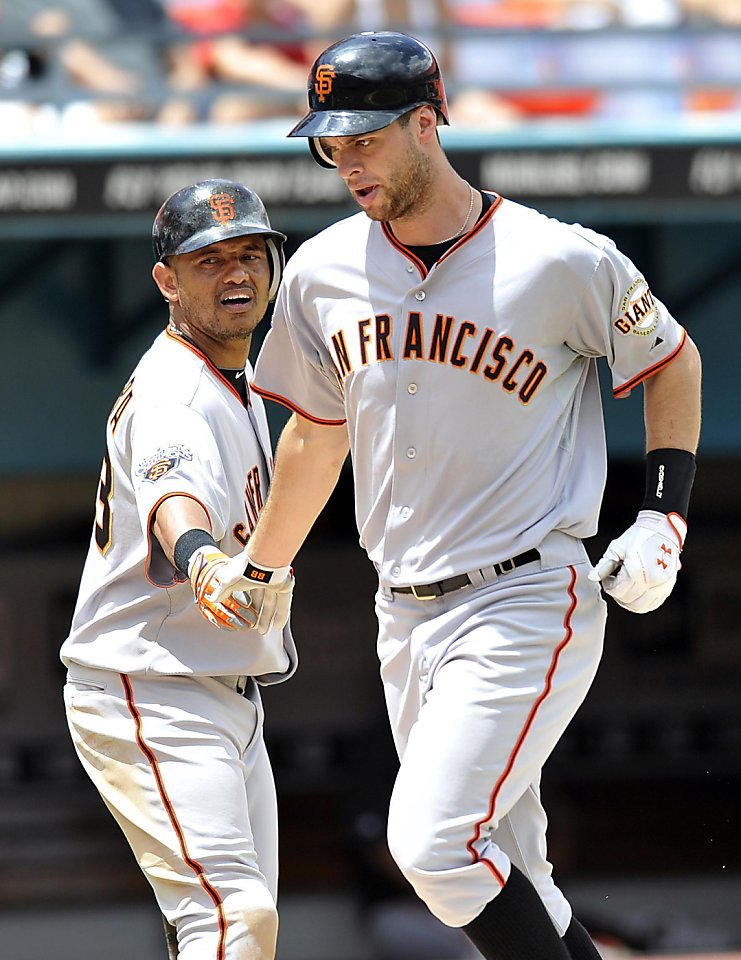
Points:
178	428
474	416
470	390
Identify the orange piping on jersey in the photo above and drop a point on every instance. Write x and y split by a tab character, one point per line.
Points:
177	576
477	227
292	406
568	634
172	816
627	387
404	251
202	356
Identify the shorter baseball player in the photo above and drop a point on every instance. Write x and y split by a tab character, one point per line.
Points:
448	338
171	635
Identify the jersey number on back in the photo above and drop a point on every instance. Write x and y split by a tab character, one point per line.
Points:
103	513
103	506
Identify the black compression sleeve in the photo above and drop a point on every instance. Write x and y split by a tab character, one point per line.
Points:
187	543
669	476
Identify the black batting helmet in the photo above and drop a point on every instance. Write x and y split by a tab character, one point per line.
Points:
214	210
365	82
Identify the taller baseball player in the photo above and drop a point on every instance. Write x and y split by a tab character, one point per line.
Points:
172	633
448	338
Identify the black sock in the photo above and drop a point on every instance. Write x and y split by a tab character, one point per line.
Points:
580	943
171	939
516	925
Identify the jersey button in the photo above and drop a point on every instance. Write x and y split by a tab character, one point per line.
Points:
405	512
395	571
410	269
412	388
419	295
411	453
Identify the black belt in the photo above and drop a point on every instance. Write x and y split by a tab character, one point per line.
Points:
431	591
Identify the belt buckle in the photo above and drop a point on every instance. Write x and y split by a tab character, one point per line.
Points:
503	567
424	596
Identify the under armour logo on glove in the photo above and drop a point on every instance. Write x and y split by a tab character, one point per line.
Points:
667	551
639	568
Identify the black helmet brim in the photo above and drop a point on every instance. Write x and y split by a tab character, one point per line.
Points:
217	233
346	123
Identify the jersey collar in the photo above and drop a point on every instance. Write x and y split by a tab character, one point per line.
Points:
180	338
474	231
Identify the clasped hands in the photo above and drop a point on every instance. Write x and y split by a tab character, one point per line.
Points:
235	594
639	568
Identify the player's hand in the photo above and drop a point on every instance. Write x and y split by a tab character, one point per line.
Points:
269	593
639	568
215	578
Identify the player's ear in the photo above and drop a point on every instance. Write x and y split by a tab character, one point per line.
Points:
164	277
426	123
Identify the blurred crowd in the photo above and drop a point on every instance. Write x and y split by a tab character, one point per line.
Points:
67	64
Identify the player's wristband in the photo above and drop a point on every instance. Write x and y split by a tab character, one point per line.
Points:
669	477
186	545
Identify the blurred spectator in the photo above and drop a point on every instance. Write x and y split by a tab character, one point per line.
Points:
540	68
418	17
77	45
708	12
513	76
21	65
226	55
716	55
596	14
235	61
642	72
279	67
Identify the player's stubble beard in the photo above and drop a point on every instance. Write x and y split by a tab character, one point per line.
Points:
197	316
408	187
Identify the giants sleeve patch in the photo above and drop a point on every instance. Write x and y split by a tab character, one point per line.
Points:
638	311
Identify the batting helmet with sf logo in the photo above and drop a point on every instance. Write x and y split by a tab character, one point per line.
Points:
364	83
214	210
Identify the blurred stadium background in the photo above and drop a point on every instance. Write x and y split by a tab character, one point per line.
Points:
624	115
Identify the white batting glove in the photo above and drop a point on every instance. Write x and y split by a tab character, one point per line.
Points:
268	593
639	568
214	578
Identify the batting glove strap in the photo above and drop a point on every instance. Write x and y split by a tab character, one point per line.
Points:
639	568
264	576
268	593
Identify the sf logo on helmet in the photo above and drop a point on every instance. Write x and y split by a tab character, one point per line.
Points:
323	82
222	208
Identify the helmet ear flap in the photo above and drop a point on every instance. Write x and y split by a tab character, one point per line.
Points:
319	155
277	262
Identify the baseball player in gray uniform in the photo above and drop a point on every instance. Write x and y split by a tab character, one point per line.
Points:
172	633
448	337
